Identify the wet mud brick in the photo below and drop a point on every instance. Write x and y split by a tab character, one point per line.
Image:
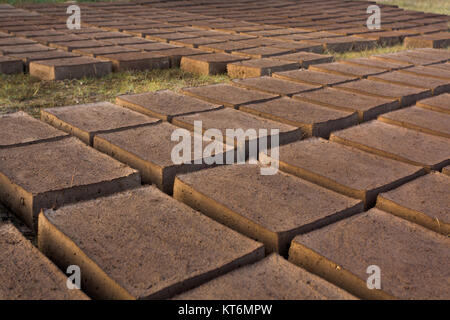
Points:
306	59
403	94
367	107
197	42
87	120
419	119
43	55
227	95
151	46
432	72
437	86
374	63
99	51
408	57
82	44
13	41
10	65
230	119
20	129
165	104
262	52
274	85
246	201
342	252
225	47
137	61
175	54
271	278
424	201
439	103
313	77
350	70
434	40
312	119
209	64
259	67
125	41
69	68
149	150
343	169
27	274
181	247
65	171
26	48
406	145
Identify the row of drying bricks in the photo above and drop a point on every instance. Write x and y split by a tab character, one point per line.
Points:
125	52
293	213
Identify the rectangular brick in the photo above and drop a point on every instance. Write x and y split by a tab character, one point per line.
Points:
10	65
234	120
227	47
20	129
438	73
82	44
27	274
87	120
439	103
350	70
65	171
274	85
165	104
242	199
208	64
342	252
407	58
227	95
410	146
312	119
43	55
47	40
125	41
306	59
13	41
175	54
262	52
419	119
137	61
437	86
374	63
367	107
271	278
151	46
182	247
99	51
259	67
346	170
423	201
149	150
434	40
403	94
198	42
69	68
26	48
313	77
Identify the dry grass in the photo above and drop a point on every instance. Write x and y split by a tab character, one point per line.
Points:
22	92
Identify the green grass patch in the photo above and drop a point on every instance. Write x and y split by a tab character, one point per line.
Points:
22	92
